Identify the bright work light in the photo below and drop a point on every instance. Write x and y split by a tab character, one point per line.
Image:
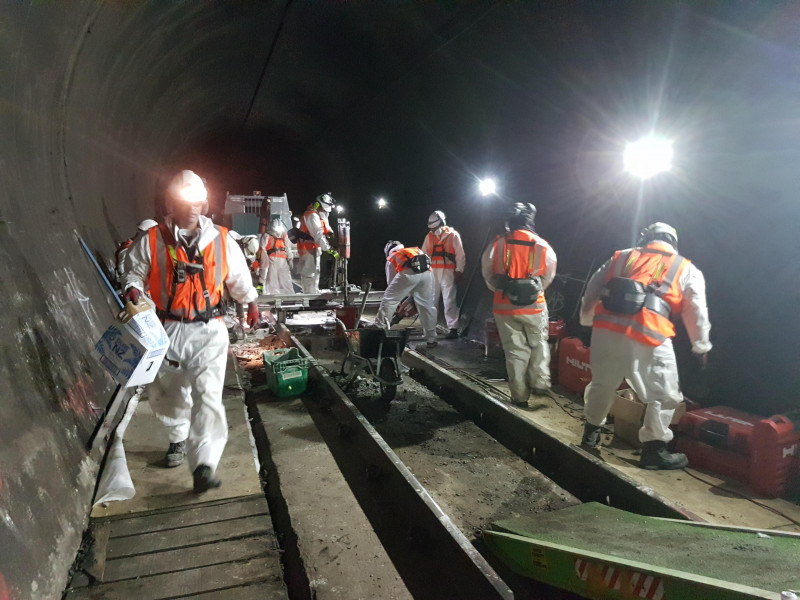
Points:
487	186
648	156
382	203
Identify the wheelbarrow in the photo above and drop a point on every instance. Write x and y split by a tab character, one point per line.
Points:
376	352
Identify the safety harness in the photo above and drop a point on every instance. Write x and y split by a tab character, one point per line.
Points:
628	296
525	290
184	272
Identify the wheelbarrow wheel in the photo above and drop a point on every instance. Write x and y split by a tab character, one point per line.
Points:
388	372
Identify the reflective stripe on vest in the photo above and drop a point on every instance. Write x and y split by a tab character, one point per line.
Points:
401	257
518	255
443	251
187	299
304	246
276	247
655	265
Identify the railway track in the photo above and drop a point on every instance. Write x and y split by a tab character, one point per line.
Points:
441	462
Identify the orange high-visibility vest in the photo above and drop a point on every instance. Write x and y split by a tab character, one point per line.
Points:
304	245
443	251
275	247
400	258
187	290
517	255
656	265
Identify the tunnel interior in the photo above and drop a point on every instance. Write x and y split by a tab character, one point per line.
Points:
103	101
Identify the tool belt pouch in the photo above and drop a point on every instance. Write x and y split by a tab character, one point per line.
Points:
523	292
624	296
419	263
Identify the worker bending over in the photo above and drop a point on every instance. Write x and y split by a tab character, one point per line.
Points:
629	302
443	245
187	261
408	273
276	252
518	267
314	231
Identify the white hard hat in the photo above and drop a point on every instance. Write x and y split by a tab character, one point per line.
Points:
276	228
250	246
326	201
146	224
392	246
235	235
436	220
188	186
658	231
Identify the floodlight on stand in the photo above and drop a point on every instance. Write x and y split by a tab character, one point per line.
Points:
648	156
382	203
487	186
339	209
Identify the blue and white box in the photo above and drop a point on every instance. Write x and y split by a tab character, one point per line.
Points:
132	350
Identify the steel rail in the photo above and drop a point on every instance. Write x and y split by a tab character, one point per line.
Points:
432	555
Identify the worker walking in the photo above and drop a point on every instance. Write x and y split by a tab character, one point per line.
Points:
314	230
187	261
408	273
628	302
276	252
518	267
443	245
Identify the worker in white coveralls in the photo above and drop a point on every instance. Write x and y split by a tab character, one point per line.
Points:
443	245
187	261
408	273
628	302
518	267
313	241
276	252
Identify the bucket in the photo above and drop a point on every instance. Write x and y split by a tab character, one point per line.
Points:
347	314
492	346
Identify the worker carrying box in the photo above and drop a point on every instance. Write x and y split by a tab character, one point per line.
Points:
133	348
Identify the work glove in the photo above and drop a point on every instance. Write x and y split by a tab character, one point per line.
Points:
132	295
334	254
253	315
458	276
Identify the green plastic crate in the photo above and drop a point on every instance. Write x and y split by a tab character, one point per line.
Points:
279	355
287	377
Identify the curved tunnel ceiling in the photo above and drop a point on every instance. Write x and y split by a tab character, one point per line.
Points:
414	100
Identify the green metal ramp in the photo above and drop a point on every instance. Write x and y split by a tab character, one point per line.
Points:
602	552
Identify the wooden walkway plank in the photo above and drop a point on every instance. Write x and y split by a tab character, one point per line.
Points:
220	511
213	580
190	558
188	536
267	590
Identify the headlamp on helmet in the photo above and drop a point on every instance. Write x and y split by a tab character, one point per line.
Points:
189	188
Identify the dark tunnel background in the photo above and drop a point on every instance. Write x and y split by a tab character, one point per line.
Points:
101	101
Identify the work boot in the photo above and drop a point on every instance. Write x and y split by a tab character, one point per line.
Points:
591	435
175	454
204	479
452	334
432	344
656	456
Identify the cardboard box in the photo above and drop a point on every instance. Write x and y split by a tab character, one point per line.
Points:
628	413
132	350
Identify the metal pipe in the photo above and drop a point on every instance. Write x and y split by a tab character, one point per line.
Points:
363	304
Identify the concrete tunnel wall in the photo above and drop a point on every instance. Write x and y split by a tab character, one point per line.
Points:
96	100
